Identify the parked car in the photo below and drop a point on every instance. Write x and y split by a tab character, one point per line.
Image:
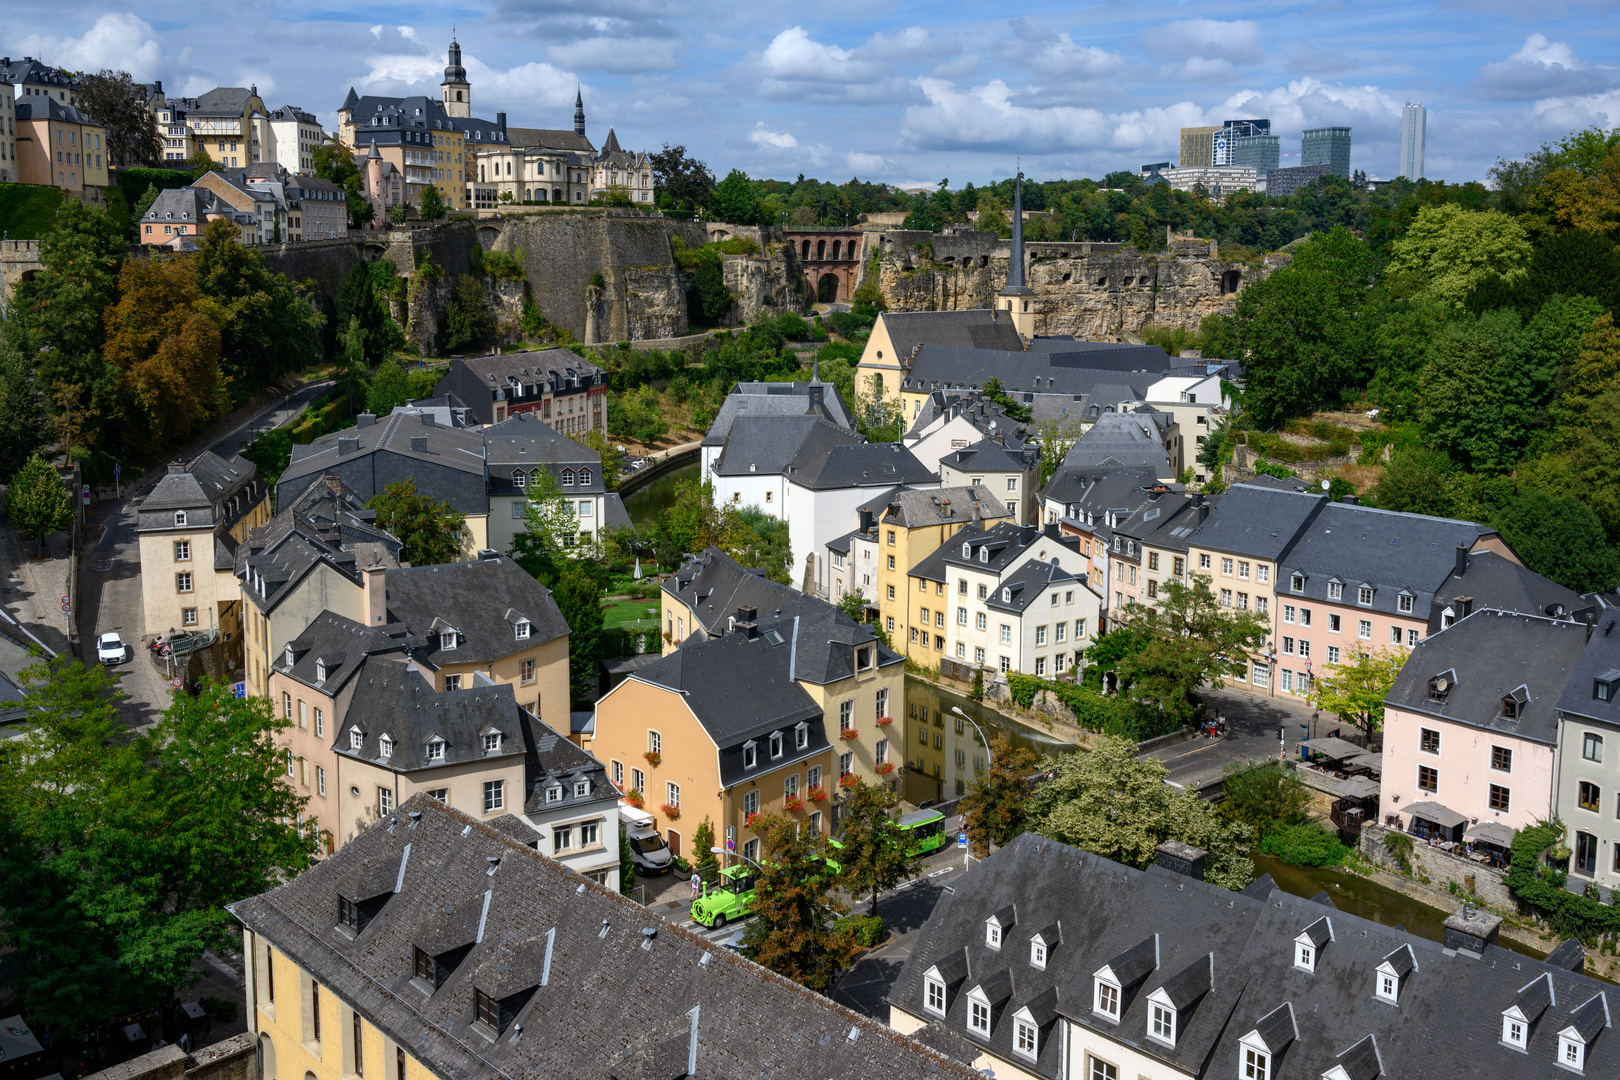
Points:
110	649
648	850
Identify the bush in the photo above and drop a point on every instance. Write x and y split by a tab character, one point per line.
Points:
682	867
868	929
1306	844
1541	888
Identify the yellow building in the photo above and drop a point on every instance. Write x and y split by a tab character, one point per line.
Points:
188	528
897	336
730	727
59	145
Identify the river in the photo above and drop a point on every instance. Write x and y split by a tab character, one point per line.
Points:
647	502
944	755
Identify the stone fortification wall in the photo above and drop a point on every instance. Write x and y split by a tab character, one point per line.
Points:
1090	290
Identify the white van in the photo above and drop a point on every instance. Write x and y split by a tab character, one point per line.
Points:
647	849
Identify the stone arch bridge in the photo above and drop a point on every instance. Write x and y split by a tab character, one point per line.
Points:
829	259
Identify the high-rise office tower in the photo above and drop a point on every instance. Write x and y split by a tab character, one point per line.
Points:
1326	146
1198	147
1414	118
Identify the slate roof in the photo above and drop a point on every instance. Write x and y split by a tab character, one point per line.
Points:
778	399
1257	521
991	455
976	328
744	688
770	445
1027	581
338	646
864	464
1447	1021
1165	520
224	101
936	368
189	206
941	506
1009	545
204	481
713	586
49	108
412	440
1392	552
1089	493
1122	440
1489	656
322	522
482	600
1600	659
1491	580
737	1019
550	138
524	441
614	515
554	763
985	415
393	698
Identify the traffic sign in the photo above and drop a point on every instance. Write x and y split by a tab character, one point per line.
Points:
67	605
731	845
961	839
86	493
117	470
239	689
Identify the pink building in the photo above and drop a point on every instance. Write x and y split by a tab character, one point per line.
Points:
1358	577
1471	724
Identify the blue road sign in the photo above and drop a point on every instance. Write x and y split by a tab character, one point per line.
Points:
961	839
239	689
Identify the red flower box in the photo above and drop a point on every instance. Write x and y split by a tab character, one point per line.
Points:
848	780
635	798
654	757
671	812
750	820
793	804
884	721
849	733
817	794
886	768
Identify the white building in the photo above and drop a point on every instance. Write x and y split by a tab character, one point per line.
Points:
291	137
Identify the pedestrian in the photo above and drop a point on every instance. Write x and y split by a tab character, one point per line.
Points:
697	884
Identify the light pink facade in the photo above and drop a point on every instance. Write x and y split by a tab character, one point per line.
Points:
1463	771
1313	634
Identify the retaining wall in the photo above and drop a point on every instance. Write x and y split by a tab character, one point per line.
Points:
235	1058
1439	867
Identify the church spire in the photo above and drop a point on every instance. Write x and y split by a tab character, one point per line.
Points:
455	91
1015	269
1017	298
579	111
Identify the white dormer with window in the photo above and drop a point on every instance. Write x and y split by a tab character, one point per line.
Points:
435	749
582	789
320	671
180	518
288	656
492	741
1259	1050
984	554
1585	1024
356	737
1105	995
1037	954
1392	973
801	735
1162	1019
750	754
1006	596
967	551
1534	998
776	744
554	793
978	1013
447	639
1571	1050
521	629
997	925
934	993
1296	583
385	746
1026	1035
1310	942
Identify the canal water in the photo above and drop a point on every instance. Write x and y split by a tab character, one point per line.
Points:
945	755
654	498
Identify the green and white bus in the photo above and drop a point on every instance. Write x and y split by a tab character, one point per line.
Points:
924	831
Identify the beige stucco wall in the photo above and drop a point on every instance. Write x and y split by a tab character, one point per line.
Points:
465	782
323	589
688	756
544	695
161	602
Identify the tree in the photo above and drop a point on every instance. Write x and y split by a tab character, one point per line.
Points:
1450	251
358	299
1262	796
1056	436
1595	371
992	214
1190	641
467	319
791	931
201	163
1559	537
994	809
144	203
60	311
37	502
694	523
550	528
389	387
23	427
1477	395
431	531
702	842
267	327
579	598
1417	481
1354	690
873	856
709	300
432	206
853	604
759	541
736	200
118	852
686	181
113	100
335	163
627	864
1113	803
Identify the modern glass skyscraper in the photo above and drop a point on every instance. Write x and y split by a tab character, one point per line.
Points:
1260	151
1326	146
1414	119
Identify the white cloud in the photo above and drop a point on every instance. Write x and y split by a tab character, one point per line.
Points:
1237	42
616	54
763	137
1561	115
121	41
797	67
1057	55
871	164
1201	69
1541	69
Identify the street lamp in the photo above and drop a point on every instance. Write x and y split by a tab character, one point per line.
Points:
990	760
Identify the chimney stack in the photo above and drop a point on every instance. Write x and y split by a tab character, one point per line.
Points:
376	579
1183	859
1469	930
348	444
1462	559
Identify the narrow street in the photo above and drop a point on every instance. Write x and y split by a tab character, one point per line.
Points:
110	585
1252	722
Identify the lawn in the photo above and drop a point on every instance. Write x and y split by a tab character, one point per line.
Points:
641	614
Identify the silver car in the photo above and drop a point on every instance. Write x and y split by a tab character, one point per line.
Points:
110	649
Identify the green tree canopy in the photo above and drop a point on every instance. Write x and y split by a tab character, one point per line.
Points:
1355	690
432	206
431	531
268	328
113	100
467	318
873	855
995	807
794	910
1561	538
736	200
550	529
37	502
1449	251
579	598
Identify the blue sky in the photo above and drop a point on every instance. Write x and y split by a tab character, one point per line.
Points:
904	92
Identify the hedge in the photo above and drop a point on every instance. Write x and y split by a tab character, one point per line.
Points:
1307	844
1541	887
27	210
1092	711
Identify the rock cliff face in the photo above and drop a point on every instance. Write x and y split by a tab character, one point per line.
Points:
764	284
1090	290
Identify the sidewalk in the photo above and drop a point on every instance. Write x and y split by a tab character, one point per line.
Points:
33	587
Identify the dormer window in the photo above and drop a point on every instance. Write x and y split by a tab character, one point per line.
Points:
1256	1064
1514	1032
934	995
1304	956
1606	686
1309	944
582	789
1513	704
584	477
356	737
554	793
1364	596
289	655
1571	1053
776	744
1389	987
385	747
519	479
522	629
992	934
984	554
1105	1002
1403	601
1026	1036
492	741
179	517
1037	954
979	1017
1389	975
435	749
967	551
447	639
1296	583
801	736
1440	686
320	671
1162	1023
1006	596
750	754
568	478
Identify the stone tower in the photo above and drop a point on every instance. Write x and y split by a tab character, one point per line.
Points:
579	112
1017	299
456	91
